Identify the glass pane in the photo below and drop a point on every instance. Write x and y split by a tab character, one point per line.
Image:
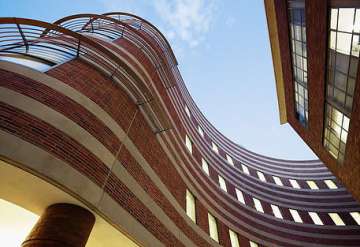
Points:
340	80
342	62
353	67
357	21
355	46
343	43
351	86
346	19
334	13
332	40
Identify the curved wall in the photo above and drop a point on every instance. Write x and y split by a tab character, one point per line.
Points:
109	126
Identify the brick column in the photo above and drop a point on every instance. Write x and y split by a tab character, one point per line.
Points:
61	225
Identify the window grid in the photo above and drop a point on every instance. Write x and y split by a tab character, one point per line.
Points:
278	181
188	143
316	219
330	184
200	130
258	205
261	176
343	56
187	111
299	59
214	147
245	169
296	216
240	196
294	184
337	219
312	185
230	160
276	211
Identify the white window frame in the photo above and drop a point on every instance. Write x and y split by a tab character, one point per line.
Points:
240	196
200	130
222	183
356	217
205	166
190	206
316	218
294	184
296	216
188	143
312	184
276	211
337	219
230	160
261	176
213	230
278	181
245	169
253	244
214	147
234	239
187	111
330	184
258	205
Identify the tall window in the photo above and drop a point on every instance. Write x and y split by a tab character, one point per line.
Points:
222	183
343	57
299	58
205	166
234	240
190	205
213	231
188	143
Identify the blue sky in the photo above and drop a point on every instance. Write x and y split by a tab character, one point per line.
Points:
224	57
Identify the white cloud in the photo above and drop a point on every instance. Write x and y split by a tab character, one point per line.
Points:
188	20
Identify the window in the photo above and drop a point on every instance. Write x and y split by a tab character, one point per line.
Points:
299	58
278	181
337	219
230	160
205	166
276	211
200	130
188	143
222	183
213	228
294	184
240	196
343	57
253	244
234	240
190	205
356	217
330	184
187	111
258	206
214	147
245	169
296	216
312	185
315	217
261	176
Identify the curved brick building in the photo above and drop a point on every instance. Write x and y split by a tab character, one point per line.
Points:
100	137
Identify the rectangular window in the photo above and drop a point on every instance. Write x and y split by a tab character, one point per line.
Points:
187	111
245	169
294	183
330	184
234	240
315	217
356	217
278	181
200	130
312	185
299	57
276	211
222	183
214	147
205	166
213	228
337	219
342	66
240	196
190	205
261	176
188	143
253	244
296	216
230	160
258	205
